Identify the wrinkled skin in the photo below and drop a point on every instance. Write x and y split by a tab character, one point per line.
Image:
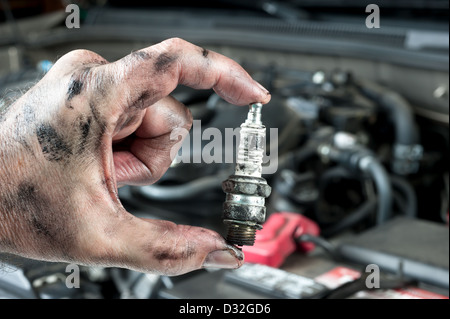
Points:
89	127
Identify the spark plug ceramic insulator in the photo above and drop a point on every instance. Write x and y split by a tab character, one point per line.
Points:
244	208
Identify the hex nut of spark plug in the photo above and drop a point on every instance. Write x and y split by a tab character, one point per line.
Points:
246	186
244	211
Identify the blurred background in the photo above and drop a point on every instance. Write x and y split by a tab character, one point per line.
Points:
341	92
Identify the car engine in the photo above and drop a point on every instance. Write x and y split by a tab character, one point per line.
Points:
356	147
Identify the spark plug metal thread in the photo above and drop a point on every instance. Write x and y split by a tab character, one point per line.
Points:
244	207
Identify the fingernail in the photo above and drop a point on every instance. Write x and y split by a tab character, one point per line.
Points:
263	89
230	258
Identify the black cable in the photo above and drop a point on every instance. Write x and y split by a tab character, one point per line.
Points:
293	159
352	219
350	288
407	190
321	242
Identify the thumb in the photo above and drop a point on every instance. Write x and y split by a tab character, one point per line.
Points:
159	246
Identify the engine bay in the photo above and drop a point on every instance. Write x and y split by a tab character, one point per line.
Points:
357	145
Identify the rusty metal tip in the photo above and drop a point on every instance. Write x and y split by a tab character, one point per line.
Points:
240	234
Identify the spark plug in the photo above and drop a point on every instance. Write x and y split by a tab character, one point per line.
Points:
244	208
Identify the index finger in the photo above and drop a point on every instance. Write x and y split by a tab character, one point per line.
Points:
145	76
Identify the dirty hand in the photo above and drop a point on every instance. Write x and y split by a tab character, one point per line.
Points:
90	126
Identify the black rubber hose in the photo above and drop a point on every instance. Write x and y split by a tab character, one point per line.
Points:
402	116
181	192
383	185
362	159
399	110
333	173
399	202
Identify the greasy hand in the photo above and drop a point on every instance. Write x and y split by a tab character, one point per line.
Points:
90	126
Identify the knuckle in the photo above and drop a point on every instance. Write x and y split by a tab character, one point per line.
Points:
174	43
83	54
73	59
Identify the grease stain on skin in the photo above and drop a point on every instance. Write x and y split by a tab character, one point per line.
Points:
47	221
167	254
163	62
74	89
97	118
140	102
205	52
84	126
53	145
30	201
